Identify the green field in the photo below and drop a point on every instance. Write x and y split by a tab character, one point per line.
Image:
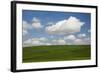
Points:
56	53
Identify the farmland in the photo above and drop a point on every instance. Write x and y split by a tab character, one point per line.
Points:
56	53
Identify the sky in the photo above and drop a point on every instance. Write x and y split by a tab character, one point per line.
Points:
55	28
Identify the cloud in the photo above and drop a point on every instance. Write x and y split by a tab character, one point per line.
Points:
25	32
27	43
58	41
70	25
50	23
39	39
89	30
43	41
61	42
26	27
73	40
51	36
85	41
48	44
69	40
35	42
81	35
36	23
78	41
70	37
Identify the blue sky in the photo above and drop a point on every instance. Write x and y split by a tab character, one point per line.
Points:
50	18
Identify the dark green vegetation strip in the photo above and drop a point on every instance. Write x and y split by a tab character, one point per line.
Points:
56	53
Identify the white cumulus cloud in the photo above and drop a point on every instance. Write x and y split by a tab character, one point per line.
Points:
79	42
43	41
36	23
35	42
61	42
25	32
70	25
69	40
70	37
85	41
82	35
26	27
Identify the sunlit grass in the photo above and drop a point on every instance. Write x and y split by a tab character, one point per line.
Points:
56	53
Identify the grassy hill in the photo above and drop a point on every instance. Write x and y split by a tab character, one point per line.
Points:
56	53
